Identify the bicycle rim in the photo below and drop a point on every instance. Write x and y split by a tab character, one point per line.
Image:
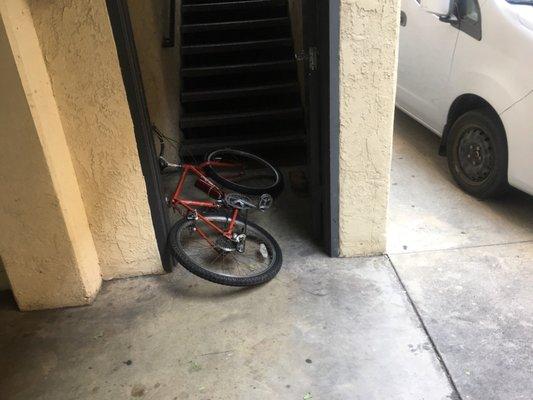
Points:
244	172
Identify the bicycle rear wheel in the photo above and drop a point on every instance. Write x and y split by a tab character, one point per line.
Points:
244	172
259	263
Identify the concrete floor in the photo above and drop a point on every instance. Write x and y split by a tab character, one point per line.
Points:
468	267
324	328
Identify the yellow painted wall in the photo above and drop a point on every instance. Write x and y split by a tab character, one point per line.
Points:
80	53
368	63
45	241
159	66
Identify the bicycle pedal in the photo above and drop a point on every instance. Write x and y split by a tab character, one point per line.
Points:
265	202
192	216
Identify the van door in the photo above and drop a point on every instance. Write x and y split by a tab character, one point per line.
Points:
427	47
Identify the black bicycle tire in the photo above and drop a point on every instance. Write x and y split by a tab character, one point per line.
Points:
211	276
274	190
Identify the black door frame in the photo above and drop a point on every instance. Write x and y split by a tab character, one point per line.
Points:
321	22
313	117
329	23
327	146
131	73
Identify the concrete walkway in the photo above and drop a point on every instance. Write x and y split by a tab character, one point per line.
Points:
324	329
467	266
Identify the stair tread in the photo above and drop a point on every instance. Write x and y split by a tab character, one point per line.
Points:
230	46
203	145
245	24
228	5
197	71
239	91
210	115
265	137
210	119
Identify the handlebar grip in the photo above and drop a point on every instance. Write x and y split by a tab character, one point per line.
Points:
162	163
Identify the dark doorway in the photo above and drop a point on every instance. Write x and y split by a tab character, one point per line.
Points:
320	53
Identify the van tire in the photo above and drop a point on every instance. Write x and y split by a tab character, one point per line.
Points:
477	153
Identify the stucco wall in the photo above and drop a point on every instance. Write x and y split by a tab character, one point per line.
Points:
45	240
159	66
79	49
368	62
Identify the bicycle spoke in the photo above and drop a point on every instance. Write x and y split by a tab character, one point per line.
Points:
242	263
252	262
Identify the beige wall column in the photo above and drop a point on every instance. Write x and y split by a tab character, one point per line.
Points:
368	63
79	49
45	242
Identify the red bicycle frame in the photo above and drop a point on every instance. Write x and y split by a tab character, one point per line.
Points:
192	205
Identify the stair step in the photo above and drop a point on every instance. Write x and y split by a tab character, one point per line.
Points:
238	76
236	46
229	5
247	24
240	92
207	119
237	68
203	145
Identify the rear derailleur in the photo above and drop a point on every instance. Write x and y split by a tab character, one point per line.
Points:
236	244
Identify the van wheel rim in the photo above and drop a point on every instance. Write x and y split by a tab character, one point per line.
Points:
476	155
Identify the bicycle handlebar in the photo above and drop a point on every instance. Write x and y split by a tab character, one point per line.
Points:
164	165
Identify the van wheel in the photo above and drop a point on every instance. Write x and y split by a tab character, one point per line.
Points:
477	153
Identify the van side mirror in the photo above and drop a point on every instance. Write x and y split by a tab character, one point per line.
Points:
441	8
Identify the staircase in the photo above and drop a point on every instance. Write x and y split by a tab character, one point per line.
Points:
239	84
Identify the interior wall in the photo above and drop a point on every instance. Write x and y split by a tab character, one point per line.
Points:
45	241
78	45
159	65
368	63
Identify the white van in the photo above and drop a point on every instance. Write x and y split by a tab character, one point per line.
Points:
466	72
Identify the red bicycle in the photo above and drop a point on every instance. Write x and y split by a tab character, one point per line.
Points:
215	240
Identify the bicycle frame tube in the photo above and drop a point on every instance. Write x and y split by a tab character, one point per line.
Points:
191	205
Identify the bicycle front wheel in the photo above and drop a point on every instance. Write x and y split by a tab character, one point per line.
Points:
244	172
202	255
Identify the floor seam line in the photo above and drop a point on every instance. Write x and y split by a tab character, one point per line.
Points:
460	248
426	331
